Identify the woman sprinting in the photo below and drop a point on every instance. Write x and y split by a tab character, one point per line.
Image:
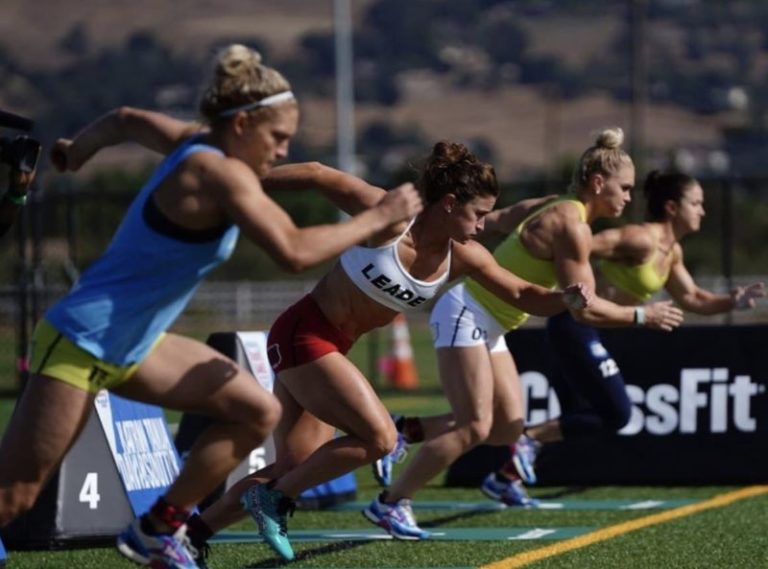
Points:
109	331
547	241
635	262
401	268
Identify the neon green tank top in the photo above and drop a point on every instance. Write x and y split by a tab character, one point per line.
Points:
639	281
513	256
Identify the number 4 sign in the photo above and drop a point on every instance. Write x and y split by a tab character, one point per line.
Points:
89	493
122	461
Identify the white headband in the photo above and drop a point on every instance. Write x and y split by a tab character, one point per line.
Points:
265	102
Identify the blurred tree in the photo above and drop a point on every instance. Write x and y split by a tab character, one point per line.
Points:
76	41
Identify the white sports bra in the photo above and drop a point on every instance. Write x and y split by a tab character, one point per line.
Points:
377	272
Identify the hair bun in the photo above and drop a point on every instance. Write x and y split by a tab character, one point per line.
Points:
610	138
234	58
446	154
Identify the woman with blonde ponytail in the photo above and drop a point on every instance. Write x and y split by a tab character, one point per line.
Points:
634	262
110	330
547	241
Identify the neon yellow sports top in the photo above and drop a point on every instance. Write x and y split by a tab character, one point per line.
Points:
513	256
639	281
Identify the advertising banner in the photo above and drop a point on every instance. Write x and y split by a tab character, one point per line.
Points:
699	410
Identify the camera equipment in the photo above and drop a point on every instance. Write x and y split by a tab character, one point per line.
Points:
20	152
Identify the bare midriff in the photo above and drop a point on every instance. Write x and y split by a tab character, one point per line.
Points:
347	307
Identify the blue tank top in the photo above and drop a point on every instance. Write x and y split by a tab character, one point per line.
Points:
137	288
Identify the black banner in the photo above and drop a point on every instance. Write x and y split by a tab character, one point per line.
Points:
699	411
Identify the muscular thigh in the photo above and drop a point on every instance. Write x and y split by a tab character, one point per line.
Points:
335	392
299	432
467	379
46	422
188	375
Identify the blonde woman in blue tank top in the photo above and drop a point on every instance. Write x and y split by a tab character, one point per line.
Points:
547	241
321	390
109	332
635	262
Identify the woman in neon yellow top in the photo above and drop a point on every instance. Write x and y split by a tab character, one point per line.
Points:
638	260
548	241
635	262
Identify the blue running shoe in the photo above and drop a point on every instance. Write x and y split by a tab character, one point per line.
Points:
524	458
159	551
508	492
134	544
397	519
270	508
382	468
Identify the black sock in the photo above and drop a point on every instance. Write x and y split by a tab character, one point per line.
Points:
198	531
146	525
413	430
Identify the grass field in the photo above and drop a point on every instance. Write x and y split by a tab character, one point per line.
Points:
596	527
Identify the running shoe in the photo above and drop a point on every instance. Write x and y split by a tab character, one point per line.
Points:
524	458
270	508
159	551
508	492
382	468
397	519
203	552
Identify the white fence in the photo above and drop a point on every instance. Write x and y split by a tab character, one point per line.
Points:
248	304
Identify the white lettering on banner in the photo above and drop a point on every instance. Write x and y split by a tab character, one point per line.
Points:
536	387
132	437
147	470
663	408
157	434
148	459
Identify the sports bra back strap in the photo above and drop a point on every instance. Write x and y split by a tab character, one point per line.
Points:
405	231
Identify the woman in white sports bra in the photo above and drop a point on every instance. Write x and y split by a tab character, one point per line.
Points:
321	391
547	241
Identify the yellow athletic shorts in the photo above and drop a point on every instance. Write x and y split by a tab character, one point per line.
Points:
55	356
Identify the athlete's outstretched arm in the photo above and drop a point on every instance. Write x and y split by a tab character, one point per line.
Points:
630	244
571	249
155	131
477	262
693	298
268	225
349	193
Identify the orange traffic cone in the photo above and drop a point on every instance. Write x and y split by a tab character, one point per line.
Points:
399	367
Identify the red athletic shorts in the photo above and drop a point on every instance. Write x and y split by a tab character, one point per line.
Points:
302	334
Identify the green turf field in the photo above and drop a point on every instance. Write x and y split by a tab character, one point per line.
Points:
472	532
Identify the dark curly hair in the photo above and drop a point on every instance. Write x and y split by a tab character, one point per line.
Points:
453	169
